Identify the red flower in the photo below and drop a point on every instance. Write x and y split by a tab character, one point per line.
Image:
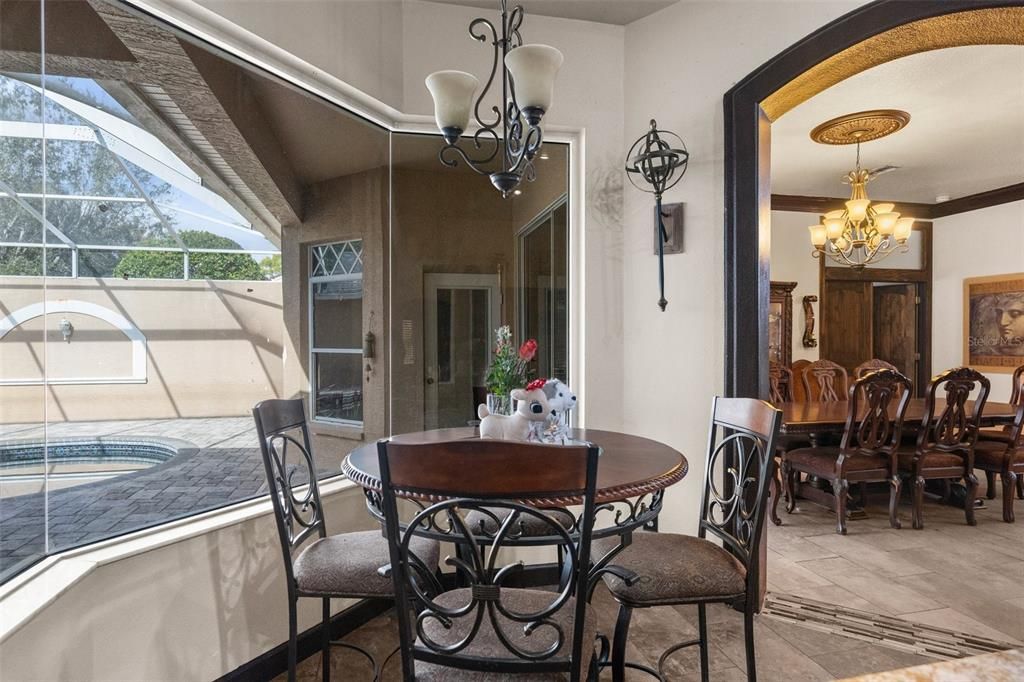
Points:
528	350
535	384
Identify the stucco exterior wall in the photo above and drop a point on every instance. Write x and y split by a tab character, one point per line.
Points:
212	349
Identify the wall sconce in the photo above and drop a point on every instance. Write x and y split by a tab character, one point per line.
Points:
66	329
659	159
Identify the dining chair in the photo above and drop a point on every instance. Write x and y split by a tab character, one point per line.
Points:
780	390
825	381
672	569
947	437
316	565
488	629
870	366
1003	453
797	368
867	451
1016	396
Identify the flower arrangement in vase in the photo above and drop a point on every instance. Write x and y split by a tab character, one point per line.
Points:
509	370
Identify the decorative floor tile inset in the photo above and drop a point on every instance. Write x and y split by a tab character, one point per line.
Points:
888	631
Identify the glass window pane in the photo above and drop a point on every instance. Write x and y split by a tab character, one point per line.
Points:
338	313
338	388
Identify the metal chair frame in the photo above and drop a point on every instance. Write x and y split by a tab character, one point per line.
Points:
281	427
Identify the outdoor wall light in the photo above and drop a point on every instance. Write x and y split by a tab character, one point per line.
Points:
658	158
369	346
66	329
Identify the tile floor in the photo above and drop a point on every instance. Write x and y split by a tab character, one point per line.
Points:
949	575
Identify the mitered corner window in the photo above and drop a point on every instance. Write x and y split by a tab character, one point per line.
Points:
336	332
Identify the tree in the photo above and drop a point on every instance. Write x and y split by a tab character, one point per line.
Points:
271	267
170	265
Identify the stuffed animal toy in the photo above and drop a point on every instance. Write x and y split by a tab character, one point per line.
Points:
531	408
560	398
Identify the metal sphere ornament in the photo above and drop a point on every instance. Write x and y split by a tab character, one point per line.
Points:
654	164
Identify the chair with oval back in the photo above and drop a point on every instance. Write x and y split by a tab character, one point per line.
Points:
825	382
488	630
947	437
867	452
316	565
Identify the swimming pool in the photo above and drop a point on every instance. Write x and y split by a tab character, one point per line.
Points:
30	466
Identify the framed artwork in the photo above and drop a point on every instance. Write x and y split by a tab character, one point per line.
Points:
994	322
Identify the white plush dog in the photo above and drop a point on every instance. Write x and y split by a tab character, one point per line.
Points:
560	398
532	407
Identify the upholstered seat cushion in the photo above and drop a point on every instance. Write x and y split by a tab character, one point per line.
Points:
527	524
822	461
486	644
932	459
348	565
990	454
673	569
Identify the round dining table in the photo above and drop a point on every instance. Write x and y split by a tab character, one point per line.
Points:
632	472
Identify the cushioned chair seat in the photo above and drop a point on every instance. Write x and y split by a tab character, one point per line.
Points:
349	564
931	460
822	461
527	524
673	569
989	454
487	645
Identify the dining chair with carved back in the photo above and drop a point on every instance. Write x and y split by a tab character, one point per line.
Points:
673	569
797	368
780	390
1002	453
867	451
946	437
825	381
870	366
999	435
316	564
487	629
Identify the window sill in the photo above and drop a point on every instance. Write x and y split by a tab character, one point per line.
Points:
330	430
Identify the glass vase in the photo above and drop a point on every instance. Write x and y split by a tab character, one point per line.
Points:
499	404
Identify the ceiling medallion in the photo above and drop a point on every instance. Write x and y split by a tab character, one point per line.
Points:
863	232
862	126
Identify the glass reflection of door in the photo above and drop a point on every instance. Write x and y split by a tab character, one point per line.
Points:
543	290
461	313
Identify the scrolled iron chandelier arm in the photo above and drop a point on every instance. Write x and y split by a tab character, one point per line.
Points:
519	121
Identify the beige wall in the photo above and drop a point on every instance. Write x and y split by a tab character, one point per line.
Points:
791	261
989	241
212	348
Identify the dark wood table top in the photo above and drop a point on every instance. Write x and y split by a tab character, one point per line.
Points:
815	417
629	466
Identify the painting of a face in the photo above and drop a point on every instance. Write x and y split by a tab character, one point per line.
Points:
994	322
1009	312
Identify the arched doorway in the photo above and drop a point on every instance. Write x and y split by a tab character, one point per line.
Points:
876	33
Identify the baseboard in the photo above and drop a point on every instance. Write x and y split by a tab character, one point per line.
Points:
274	662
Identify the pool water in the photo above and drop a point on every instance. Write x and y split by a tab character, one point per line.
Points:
30	466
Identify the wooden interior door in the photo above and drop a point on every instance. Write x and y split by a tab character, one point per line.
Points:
846	322
896	326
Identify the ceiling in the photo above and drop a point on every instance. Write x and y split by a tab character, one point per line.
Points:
619	12
966	131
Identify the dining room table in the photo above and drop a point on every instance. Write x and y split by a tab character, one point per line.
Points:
819	421
632	475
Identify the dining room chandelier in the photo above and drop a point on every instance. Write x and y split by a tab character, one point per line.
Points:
527	84
863	232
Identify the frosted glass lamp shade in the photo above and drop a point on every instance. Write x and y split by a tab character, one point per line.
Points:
453	97
533	69
857	209
883	208
817	236
903	228
834	227
835	214
886	222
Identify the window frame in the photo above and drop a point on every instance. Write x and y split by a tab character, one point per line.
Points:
314	350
